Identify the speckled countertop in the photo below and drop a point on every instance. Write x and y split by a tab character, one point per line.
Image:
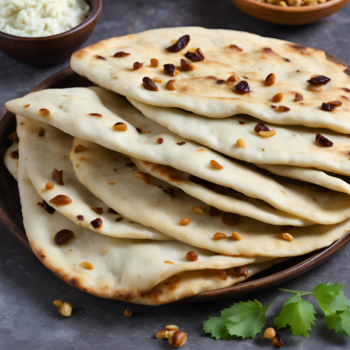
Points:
28	319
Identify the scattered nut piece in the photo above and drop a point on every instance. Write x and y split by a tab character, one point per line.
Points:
184	222
278	97
158	79
60	199
241	143
219	235
171	84
44	112
216	165
58	303
269	133
164	334
198	209
87	265
316	88
79	148
172	327
192	256
154	62
143	176
298	97
49	186
277	340
335	104
187	66
120	126
160	140
283	109
234	78
287	236
270	79
236	236
269	333
128	313
66	309
178	339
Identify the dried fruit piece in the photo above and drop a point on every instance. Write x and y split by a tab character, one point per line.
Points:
119	219
192	256
283	109
181	143
149	84
14	155
219	235
323	141
48	208
97	210
270	79
169	69
216	165
214	211
186	66
121	54
241	87
241	271
60	199
231	218
195	56
100	57
143	176
260	127
160	140
80	217
57	176
44	112
137	65
277	340
180	44
112	211
171	84
13	137
63	236
335	104
278	97
154	62
184	222
327	107
127	313
41	132
120	126
298	97
97	223
170	191
320	80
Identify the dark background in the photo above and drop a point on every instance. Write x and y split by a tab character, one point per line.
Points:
29	320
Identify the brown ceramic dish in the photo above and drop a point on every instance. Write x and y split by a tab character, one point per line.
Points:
289	15
54	49
11	217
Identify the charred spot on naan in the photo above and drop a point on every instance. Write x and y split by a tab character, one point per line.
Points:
272	54
168	172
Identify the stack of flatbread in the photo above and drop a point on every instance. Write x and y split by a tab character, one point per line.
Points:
201	158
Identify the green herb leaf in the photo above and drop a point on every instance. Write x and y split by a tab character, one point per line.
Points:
331	298
217	327
297	313
340	322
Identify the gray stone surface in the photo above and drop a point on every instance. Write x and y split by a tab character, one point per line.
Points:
28	318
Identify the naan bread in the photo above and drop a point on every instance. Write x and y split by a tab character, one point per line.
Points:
70	111
156	204
130	270
291	145
205	91
42	154
11	162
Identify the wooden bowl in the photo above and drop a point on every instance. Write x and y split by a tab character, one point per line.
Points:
290	15
54	49
11	216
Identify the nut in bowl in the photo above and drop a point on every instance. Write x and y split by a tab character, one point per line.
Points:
292	12
37	49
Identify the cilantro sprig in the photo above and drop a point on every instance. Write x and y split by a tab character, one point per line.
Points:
246	319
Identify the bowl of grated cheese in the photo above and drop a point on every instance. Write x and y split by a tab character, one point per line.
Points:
46	32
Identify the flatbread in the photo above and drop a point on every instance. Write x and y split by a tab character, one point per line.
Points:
11	163
205	91
70	111
157	204
130	270
291	145
42	154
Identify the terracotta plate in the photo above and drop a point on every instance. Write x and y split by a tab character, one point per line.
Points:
11	217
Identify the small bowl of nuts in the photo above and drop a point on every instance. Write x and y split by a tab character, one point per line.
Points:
290	12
